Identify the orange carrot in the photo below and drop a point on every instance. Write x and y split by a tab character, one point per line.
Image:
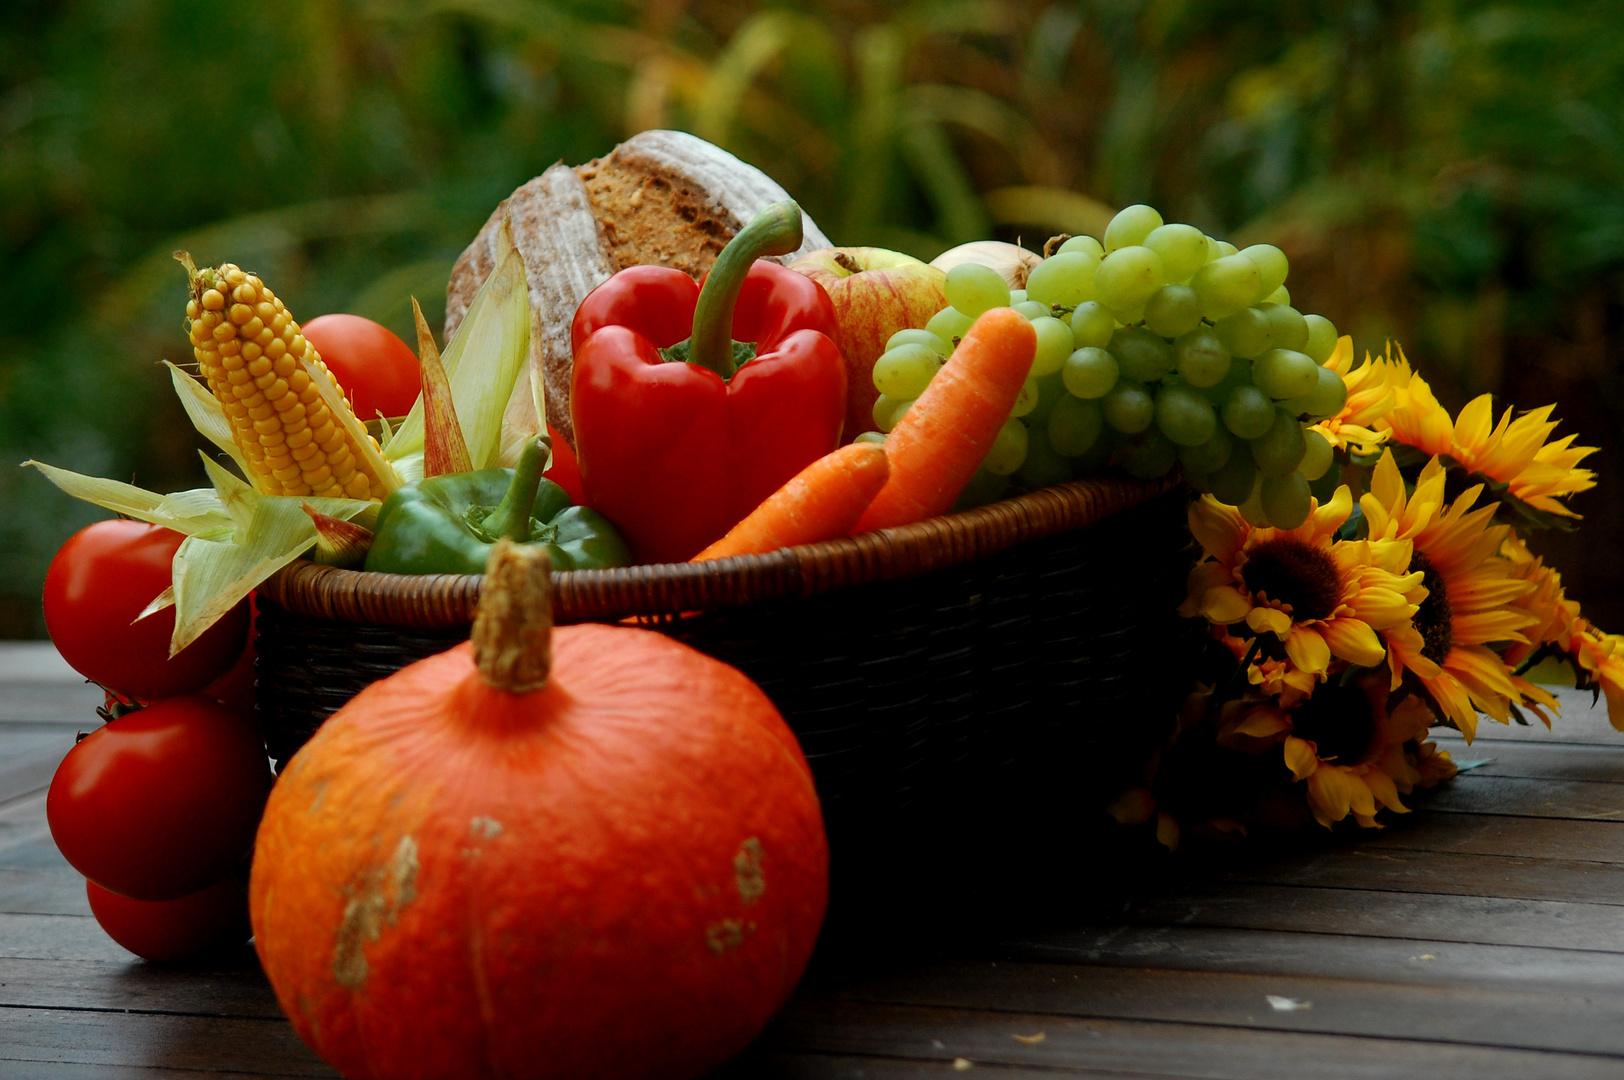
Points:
821	502
940	441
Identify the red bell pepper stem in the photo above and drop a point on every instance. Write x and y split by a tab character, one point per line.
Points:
774	231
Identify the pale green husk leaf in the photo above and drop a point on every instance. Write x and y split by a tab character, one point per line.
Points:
196	512
204	411
483	360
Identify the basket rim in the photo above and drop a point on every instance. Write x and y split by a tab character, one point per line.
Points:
673	589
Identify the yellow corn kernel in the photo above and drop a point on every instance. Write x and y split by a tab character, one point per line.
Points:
253	357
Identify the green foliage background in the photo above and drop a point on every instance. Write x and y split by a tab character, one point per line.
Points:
1446	173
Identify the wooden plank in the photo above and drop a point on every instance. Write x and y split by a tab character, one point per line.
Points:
1145	1048
59	937
1374	913
78	1070
753	1066
147	1040
234	988
1544	761
1426	963
63	704
1444	873
35	661
1580	722
1491	834
1515	797
55	890
1494	1016
24	835
31	758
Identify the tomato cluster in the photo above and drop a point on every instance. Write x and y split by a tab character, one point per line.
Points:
158	807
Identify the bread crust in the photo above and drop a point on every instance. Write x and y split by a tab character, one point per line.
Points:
662	197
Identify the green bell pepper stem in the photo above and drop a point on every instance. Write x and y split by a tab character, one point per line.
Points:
512	517
774	231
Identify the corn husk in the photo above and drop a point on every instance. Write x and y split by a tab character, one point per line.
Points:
482	363
444	448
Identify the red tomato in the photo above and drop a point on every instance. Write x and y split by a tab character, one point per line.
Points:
168	930
376	369
235	689
161	801
98	582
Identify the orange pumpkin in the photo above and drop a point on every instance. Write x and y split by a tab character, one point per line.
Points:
607	860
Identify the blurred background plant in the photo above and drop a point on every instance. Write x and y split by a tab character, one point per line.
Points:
1447	174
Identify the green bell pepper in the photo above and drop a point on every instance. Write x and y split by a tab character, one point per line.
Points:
448	524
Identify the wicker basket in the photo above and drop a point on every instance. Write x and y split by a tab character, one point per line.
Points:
949	681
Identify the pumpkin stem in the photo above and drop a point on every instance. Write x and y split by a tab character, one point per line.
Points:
513	628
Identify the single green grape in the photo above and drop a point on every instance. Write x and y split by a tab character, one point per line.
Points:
1084	243
1272	267
1064	280
1031	309
1248	412
1008	449
1201	358
888	410
1142	355
1252	509
1285	373
1126	278
1287	328
1075	426
1223	249
1282	295
973	288
1050	391
871	437
1321	341
1026	400
1130	226
1017	296
1183	250
1184	416
949	324
1090	373
1172	310
1043	466
1234	481
1092	324
1128	408
1285	500
1226	285
1330	393
941	348
1278	450
905	371
1148	456
1244	333
983	488
1317	456
1054	345
1208	457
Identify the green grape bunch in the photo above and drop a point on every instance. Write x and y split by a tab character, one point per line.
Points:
1159	347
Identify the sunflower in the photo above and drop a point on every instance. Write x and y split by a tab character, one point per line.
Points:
1416	419
1471	598
1370	399
1317	597
1349	748
1515	453
1601	657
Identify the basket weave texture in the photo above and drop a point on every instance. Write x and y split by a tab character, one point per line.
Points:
960	675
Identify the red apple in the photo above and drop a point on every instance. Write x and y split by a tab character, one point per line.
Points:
876	293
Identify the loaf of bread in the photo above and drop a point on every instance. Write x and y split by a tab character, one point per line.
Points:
661	197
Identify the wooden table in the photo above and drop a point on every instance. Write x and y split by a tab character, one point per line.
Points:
1481	936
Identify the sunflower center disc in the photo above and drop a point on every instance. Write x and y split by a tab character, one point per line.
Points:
1338	721
1433	619
1300	578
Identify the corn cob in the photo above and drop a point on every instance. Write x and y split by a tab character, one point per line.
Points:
263	371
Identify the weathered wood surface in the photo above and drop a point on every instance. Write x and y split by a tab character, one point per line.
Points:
1483	936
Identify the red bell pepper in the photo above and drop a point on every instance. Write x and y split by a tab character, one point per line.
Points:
693	404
